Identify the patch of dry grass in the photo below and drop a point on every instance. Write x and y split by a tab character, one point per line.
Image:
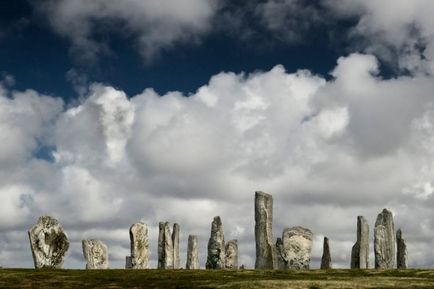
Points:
247	279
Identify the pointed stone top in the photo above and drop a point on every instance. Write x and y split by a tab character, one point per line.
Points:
399	233
386	211
217	220
260	193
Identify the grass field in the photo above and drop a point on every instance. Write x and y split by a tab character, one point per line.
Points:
29	278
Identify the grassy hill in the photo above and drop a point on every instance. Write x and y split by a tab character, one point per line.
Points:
29	278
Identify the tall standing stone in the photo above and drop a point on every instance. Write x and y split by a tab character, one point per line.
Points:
297	246
326	260
265	249
401	252
216	246
96	254
139	246
384	241
280	255
175	242
165	247
231	259
360	250
48	243
192	253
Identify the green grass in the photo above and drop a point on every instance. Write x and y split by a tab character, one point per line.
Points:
313	279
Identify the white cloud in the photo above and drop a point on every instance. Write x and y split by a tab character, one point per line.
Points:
339	148
152	24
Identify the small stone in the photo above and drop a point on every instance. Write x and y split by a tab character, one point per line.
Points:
265	249
48	243
360	250
96	254
384	241
192	253
128	262
139	246
326	260
175	242
216	246
297	245
231	260
401	252
165	247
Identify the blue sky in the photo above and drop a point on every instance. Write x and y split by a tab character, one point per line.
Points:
114	112
40	58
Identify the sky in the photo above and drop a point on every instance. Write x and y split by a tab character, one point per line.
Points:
114	112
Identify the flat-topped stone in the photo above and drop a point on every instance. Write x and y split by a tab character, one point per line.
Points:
139	246
96	254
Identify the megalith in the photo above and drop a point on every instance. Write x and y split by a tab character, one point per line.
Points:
401	251
192	253
165	247
360	250
96	254
175	242
216	246
326	260
48	243
265	249
139	246
297	246
231	258
384	241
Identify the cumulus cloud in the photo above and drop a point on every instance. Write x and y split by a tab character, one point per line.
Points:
153	25
339	148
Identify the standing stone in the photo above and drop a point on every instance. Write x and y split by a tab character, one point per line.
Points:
216	246
231	259
165	247
175	242
48	243
265	249
139	246
128	262
360	250
326	260
96	254
280	255
192	253
297	246
384	241
401	252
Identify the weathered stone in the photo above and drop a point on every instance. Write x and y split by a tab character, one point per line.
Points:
401	252
128	262
297	245
165	247
265	249
48	243
216	246
175	242
192	253
384	241
280	255
231	259
326	260
139	246
96	254
360	250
